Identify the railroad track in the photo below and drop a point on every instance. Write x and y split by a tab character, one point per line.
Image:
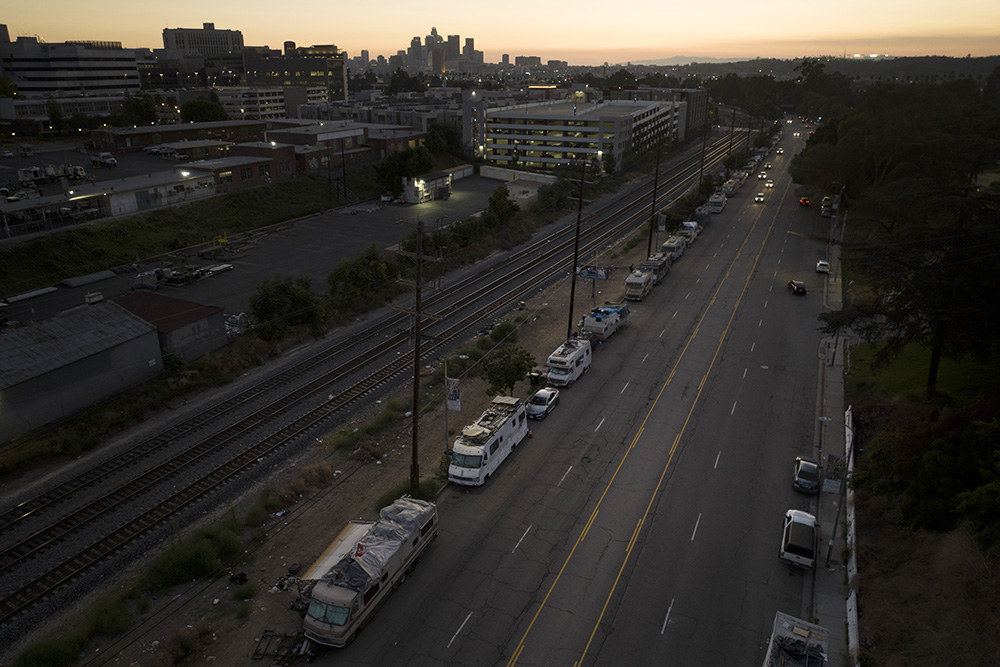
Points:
511	282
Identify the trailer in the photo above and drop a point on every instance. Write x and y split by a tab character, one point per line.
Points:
569	361
344	588
603	321
638	284
481	447
796	643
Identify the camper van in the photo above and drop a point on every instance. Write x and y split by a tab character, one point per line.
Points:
659	265
569	361
481	447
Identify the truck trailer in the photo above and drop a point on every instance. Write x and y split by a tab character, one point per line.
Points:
361	567
481	447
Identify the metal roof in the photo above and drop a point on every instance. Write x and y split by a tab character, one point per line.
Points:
31	351
166	313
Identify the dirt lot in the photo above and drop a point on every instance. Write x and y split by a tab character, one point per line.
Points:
202	622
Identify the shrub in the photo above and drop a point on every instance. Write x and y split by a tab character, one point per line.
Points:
244	591
109	616
58	652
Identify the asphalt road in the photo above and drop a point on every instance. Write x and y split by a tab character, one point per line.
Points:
641	524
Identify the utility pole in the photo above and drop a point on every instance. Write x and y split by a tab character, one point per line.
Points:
652	209
343	167
418	316
576	252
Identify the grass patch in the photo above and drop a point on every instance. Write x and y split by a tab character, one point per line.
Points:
958	379
55	652
202	554
244	591
427	490
109	616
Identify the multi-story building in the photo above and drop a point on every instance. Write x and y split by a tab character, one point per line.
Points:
309	66
543	135
252	103
696	98
204	41
66	69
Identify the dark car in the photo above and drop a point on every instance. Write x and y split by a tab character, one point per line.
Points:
542	402
797	286
804	201
805	476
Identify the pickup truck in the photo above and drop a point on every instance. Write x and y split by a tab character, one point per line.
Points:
799	538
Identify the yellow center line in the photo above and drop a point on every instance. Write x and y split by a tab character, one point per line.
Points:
673	448
520	645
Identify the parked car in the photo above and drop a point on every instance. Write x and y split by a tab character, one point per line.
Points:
799	538
805	475
822	266
152	150
7	154
542	402
797	286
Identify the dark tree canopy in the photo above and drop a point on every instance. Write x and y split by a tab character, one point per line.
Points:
202	110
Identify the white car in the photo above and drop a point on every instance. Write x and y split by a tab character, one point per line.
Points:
799	538
822	266
769	184
7	154
759	197
542	402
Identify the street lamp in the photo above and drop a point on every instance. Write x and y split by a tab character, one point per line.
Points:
849	445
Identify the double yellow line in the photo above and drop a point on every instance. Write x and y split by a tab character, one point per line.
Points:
673	448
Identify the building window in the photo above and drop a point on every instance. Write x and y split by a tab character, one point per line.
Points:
246	173
226	177
264	170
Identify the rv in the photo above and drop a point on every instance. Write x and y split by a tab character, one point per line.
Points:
716	203
659	265
481	447
605	320
569	361
674	247
638	284
361	567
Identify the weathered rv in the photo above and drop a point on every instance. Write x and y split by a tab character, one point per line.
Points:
481	447
603	321
638	284
569	361
359	570
658	264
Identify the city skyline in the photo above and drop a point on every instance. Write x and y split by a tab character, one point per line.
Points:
582	33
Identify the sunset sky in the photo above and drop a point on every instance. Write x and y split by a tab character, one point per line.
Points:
584	32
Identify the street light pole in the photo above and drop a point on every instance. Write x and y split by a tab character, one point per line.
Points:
843	483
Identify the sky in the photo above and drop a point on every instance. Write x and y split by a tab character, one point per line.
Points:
583	32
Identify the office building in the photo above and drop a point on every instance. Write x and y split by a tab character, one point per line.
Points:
204	41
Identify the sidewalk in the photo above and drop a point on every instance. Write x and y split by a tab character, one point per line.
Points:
824	600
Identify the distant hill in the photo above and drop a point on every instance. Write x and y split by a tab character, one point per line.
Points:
687	60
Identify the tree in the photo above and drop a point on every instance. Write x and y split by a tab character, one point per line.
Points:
55	114
202	110
7	87
501	205
402	164
505	367
136	110
282	303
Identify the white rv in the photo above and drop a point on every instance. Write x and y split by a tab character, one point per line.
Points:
638	284
659	264
603	321
569	361
481	447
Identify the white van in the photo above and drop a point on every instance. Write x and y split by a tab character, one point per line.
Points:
569	361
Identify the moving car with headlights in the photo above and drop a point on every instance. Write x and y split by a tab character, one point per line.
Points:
759	196
541	402
804	201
